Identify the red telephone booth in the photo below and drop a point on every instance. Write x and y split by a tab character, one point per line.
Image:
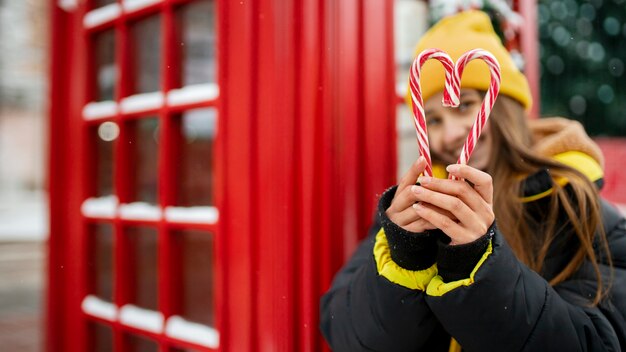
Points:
212	164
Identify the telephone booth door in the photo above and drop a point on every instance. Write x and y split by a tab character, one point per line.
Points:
134	196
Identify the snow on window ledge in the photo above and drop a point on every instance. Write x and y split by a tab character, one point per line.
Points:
140	211
195	93
142	102
100	109
96	307
134	5
102	207
196	215
181	329
68	5
102	15
140	318
401	89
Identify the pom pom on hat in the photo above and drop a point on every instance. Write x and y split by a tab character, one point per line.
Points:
458	34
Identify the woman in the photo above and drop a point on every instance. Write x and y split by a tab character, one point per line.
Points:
522	257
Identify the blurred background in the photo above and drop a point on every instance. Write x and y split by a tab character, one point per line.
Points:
581	53
24	50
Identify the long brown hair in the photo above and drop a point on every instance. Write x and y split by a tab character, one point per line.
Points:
512	159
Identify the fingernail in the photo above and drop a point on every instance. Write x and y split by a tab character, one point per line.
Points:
424	179
453	168
420	159
416	189
417	206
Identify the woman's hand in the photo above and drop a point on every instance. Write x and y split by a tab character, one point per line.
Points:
401	212
464	212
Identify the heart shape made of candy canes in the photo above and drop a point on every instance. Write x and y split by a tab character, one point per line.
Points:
451	93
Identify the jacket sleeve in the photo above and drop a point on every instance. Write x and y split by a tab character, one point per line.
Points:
505	306
365	311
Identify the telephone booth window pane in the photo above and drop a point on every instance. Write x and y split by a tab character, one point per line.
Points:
197	278
100	3
176	349
147	54
106	134
140	344
143	141
102	338
105	68
101	261
143	261
195	162
198	42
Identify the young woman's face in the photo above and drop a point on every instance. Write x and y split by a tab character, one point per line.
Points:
448	128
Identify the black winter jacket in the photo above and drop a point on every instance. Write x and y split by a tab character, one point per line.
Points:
505	307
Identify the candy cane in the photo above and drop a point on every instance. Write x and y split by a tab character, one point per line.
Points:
488	101
450	95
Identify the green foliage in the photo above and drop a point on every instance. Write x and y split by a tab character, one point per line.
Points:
583	62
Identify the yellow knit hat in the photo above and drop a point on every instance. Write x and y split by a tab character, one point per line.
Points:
462	32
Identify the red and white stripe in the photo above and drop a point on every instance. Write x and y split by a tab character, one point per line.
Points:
450	92
488	101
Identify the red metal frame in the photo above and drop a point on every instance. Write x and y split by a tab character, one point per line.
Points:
529	42
57	175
